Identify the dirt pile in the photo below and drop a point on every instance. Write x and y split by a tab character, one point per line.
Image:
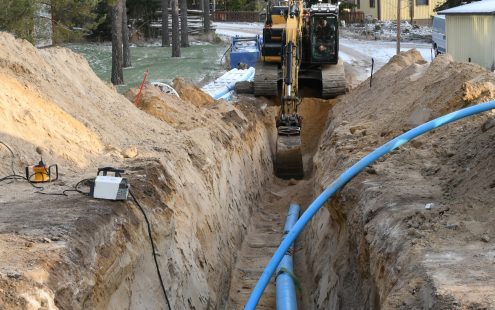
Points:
376	245
196	167
191	93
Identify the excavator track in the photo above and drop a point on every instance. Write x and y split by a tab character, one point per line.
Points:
333	80
266	79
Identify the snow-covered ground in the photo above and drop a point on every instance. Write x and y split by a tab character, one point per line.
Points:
387	31
231	29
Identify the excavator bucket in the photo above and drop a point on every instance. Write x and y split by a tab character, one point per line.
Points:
288	157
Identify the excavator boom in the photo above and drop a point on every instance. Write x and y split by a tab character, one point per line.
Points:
298	44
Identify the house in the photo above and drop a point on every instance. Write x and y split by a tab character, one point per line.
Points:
470	32
422	10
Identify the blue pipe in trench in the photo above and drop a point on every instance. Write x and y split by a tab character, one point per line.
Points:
285	288
342	180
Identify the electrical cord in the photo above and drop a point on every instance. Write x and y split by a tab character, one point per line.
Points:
19	177
152	247
64	193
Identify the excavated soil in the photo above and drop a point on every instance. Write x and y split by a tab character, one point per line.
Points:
198	168
375	245
202	170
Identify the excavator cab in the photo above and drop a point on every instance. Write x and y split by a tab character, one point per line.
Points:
324	39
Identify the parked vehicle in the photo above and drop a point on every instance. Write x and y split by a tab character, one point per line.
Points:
438	34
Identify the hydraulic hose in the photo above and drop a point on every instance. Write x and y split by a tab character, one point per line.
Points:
343	179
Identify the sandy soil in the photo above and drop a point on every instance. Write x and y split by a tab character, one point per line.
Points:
196	167
203	172
376	245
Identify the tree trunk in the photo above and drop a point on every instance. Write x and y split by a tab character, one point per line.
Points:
411	11
184	38
116	16
206	15
175	29
165	36
125	37
398	27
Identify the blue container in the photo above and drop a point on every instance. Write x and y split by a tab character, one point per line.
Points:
244	52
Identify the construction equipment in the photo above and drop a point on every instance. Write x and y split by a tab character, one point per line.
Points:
42	173
300	47
109	187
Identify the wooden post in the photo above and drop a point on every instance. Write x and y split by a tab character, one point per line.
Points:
398	27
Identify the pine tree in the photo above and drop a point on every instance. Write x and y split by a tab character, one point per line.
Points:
165	36
184	37
206	15
125	37
17	17
73	19
116	16
175	29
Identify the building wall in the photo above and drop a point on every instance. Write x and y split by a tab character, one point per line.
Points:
389	9
471	36
364	6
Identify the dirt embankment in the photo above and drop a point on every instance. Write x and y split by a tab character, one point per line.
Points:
375	245
197	169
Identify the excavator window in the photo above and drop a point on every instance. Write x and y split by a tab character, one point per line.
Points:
323	38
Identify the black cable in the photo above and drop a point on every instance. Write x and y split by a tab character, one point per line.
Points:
153	249
20	177
75	189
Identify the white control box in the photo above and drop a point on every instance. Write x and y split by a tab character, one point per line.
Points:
110	188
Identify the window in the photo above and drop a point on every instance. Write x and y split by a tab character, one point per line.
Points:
358	4
421	2
372	3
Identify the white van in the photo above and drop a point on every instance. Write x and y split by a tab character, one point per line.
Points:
438	34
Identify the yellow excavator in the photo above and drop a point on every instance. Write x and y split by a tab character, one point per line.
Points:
300	46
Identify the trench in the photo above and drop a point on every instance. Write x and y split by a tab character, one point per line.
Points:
211	258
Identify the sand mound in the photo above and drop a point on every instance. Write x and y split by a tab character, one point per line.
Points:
191	93
196	165
376	239
51	98
408	91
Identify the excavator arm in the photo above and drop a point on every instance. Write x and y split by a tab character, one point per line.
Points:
288	159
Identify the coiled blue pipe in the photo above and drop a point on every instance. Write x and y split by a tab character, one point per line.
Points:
346	177
286	290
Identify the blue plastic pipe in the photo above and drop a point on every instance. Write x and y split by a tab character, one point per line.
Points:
286	290
346	177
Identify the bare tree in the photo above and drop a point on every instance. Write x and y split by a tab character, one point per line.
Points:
206	15
125	36
175	29
116	16
165	36
184	38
